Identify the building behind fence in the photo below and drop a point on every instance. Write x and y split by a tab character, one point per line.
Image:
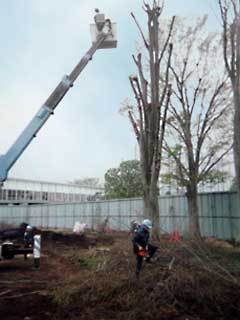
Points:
25	191
219	214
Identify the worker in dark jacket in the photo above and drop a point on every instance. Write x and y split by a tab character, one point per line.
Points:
141	246
28	238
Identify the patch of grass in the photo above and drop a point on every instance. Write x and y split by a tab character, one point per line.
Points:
90	263
84	259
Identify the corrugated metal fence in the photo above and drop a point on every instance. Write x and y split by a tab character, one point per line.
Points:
219	214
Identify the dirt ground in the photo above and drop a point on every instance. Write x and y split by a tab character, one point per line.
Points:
92	277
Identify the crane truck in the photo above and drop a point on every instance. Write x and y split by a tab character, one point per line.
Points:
103	33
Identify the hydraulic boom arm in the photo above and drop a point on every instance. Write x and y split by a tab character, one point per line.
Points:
104	32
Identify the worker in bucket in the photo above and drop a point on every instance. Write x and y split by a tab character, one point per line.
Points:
141	246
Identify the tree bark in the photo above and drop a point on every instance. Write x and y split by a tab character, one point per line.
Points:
151	208
194	228
236	141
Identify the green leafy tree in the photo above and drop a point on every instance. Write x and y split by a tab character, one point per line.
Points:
124	181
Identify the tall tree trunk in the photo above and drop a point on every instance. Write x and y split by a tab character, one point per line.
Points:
236	141
152	94
151	208
194	228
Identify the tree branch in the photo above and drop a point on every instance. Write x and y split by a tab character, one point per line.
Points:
138	97
141	32
134	125
167	40
208	167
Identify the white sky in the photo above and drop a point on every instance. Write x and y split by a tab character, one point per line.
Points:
42	40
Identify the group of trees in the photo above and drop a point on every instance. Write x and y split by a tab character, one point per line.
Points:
186	107
184	102
184	99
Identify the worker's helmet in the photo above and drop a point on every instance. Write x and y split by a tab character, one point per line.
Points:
134	223
28	228
147	223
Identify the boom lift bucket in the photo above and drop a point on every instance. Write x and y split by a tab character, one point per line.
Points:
104	25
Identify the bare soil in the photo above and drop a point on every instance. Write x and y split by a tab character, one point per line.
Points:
92	277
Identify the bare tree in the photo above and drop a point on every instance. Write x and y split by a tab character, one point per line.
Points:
152	94
198	132
230	13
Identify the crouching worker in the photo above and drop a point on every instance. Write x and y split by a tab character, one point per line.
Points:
141	246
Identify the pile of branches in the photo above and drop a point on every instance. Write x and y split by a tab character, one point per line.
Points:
185	281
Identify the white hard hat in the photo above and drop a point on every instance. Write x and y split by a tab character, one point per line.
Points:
28	228
147	223
134	221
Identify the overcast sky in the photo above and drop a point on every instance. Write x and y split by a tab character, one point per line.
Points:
42	40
